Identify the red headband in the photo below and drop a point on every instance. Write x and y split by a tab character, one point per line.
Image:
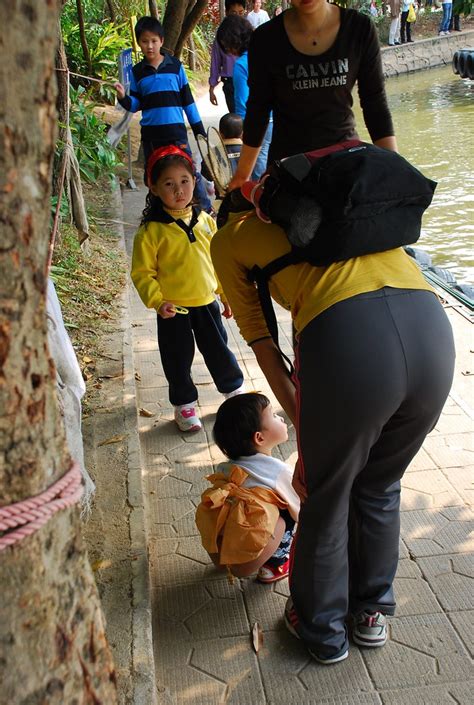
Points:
164	152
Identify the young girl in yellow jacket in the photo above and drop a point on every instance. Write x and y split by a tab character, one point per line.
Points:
173	274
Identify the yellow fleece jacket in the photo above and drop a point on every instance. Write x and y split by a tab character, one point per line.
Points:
303	289
167	266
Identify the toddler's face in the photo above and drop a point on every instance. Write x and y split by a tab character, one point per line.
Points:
174	187
274	428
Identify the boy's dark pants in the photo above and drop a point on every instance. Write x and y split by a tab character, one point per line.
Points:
228	90
176	343
374	372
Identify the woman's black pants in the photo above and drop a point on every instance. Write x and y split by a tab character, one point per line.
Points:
176	343
373	374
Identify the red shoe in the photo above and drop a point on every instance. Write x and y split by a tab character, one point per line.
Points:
269	574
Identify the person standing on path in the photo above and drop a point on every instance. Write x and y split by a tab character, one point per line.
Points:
235	34
257	16
173	274
446	18
303	66
394	31
160	90
222	63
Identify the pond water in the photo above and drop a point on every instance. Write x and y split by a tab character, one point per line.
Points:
433	112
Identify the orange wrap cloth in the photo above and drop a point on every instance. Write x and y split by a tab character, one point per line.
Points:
235	522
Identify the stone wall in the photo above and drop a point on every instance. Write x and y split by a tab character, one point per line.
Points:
424	53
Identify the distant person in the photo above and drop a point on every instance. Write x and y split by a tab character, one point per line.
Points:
455	22
277	11
394	31
231	127
160	89
446	18
222	64
257	16
405	25
246	430
173	274
235	34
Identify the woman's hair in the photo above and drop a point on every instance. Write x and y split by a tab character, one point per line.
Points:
153	205
233	34
231	126
237	421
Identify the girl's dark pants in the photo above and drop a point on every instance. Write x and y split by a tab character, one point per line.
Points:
176	343
405	28
373	374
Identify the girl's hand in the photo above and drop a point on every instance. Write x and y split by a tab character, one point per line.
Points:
120	90
167	310
227	312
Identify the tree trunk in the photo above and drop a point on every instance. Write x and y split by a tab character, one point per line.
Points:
221	9
62	108
112	11
82	33
51	628
181	17
191	54
154	12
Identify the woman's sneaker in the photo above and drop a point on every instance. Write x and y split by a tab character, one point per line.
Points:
370	629
186	418
290	621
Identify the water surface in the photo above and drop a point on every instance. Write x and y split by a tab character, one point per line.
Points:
433	112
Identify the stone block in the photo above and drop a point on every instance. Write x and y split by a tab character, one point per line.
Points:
427	488
451	578
422	650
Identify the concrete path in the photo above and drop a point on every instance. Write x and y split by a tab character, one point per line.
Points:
202	624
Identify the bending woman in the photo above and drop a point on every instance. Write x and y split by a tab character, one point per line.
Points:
303	66
374	365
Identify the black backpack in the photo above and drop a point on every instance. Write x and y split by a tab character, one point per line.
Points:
343	201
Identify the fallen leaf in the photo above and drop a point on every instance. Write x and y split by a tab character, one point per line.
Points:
101	564
145	412
87	359
113	439
138	377
119	374
257	637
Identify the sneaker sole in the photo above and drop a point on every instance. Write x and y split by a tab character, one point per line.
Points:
275	579
319	659
371	643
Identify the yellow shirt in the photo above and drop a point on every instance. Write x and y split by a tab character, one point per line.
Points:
303	289
167	266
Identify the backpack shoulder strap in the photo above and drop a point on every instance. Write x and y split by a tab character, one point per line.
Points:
261	275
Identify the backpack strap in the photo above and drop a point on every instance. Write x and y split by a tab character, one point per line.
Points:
261	275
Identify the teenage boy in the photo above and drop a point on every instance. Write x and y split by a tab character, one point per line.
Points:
160	89
222	64
255	486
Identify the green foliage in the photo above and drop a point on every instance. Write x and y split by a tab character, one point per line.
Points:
89	134
462	7
105	42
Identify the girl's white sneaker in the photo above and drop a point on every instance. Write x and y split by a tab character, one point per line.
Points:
186	418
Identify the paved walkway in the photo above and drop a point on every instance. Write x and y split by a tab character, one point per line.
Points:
202	624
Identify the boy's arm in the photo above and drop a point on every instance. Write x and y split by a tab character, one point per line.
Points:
189	106
144	272
132	102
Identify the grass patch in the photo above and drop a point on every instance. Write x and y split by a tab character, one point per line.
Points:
89	283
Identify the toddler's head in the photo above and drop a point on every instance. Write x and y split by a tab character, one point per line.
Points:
170	177
231	126
246	424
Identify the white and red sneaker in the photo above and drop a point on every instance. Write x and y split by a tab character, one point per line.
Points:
186	418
